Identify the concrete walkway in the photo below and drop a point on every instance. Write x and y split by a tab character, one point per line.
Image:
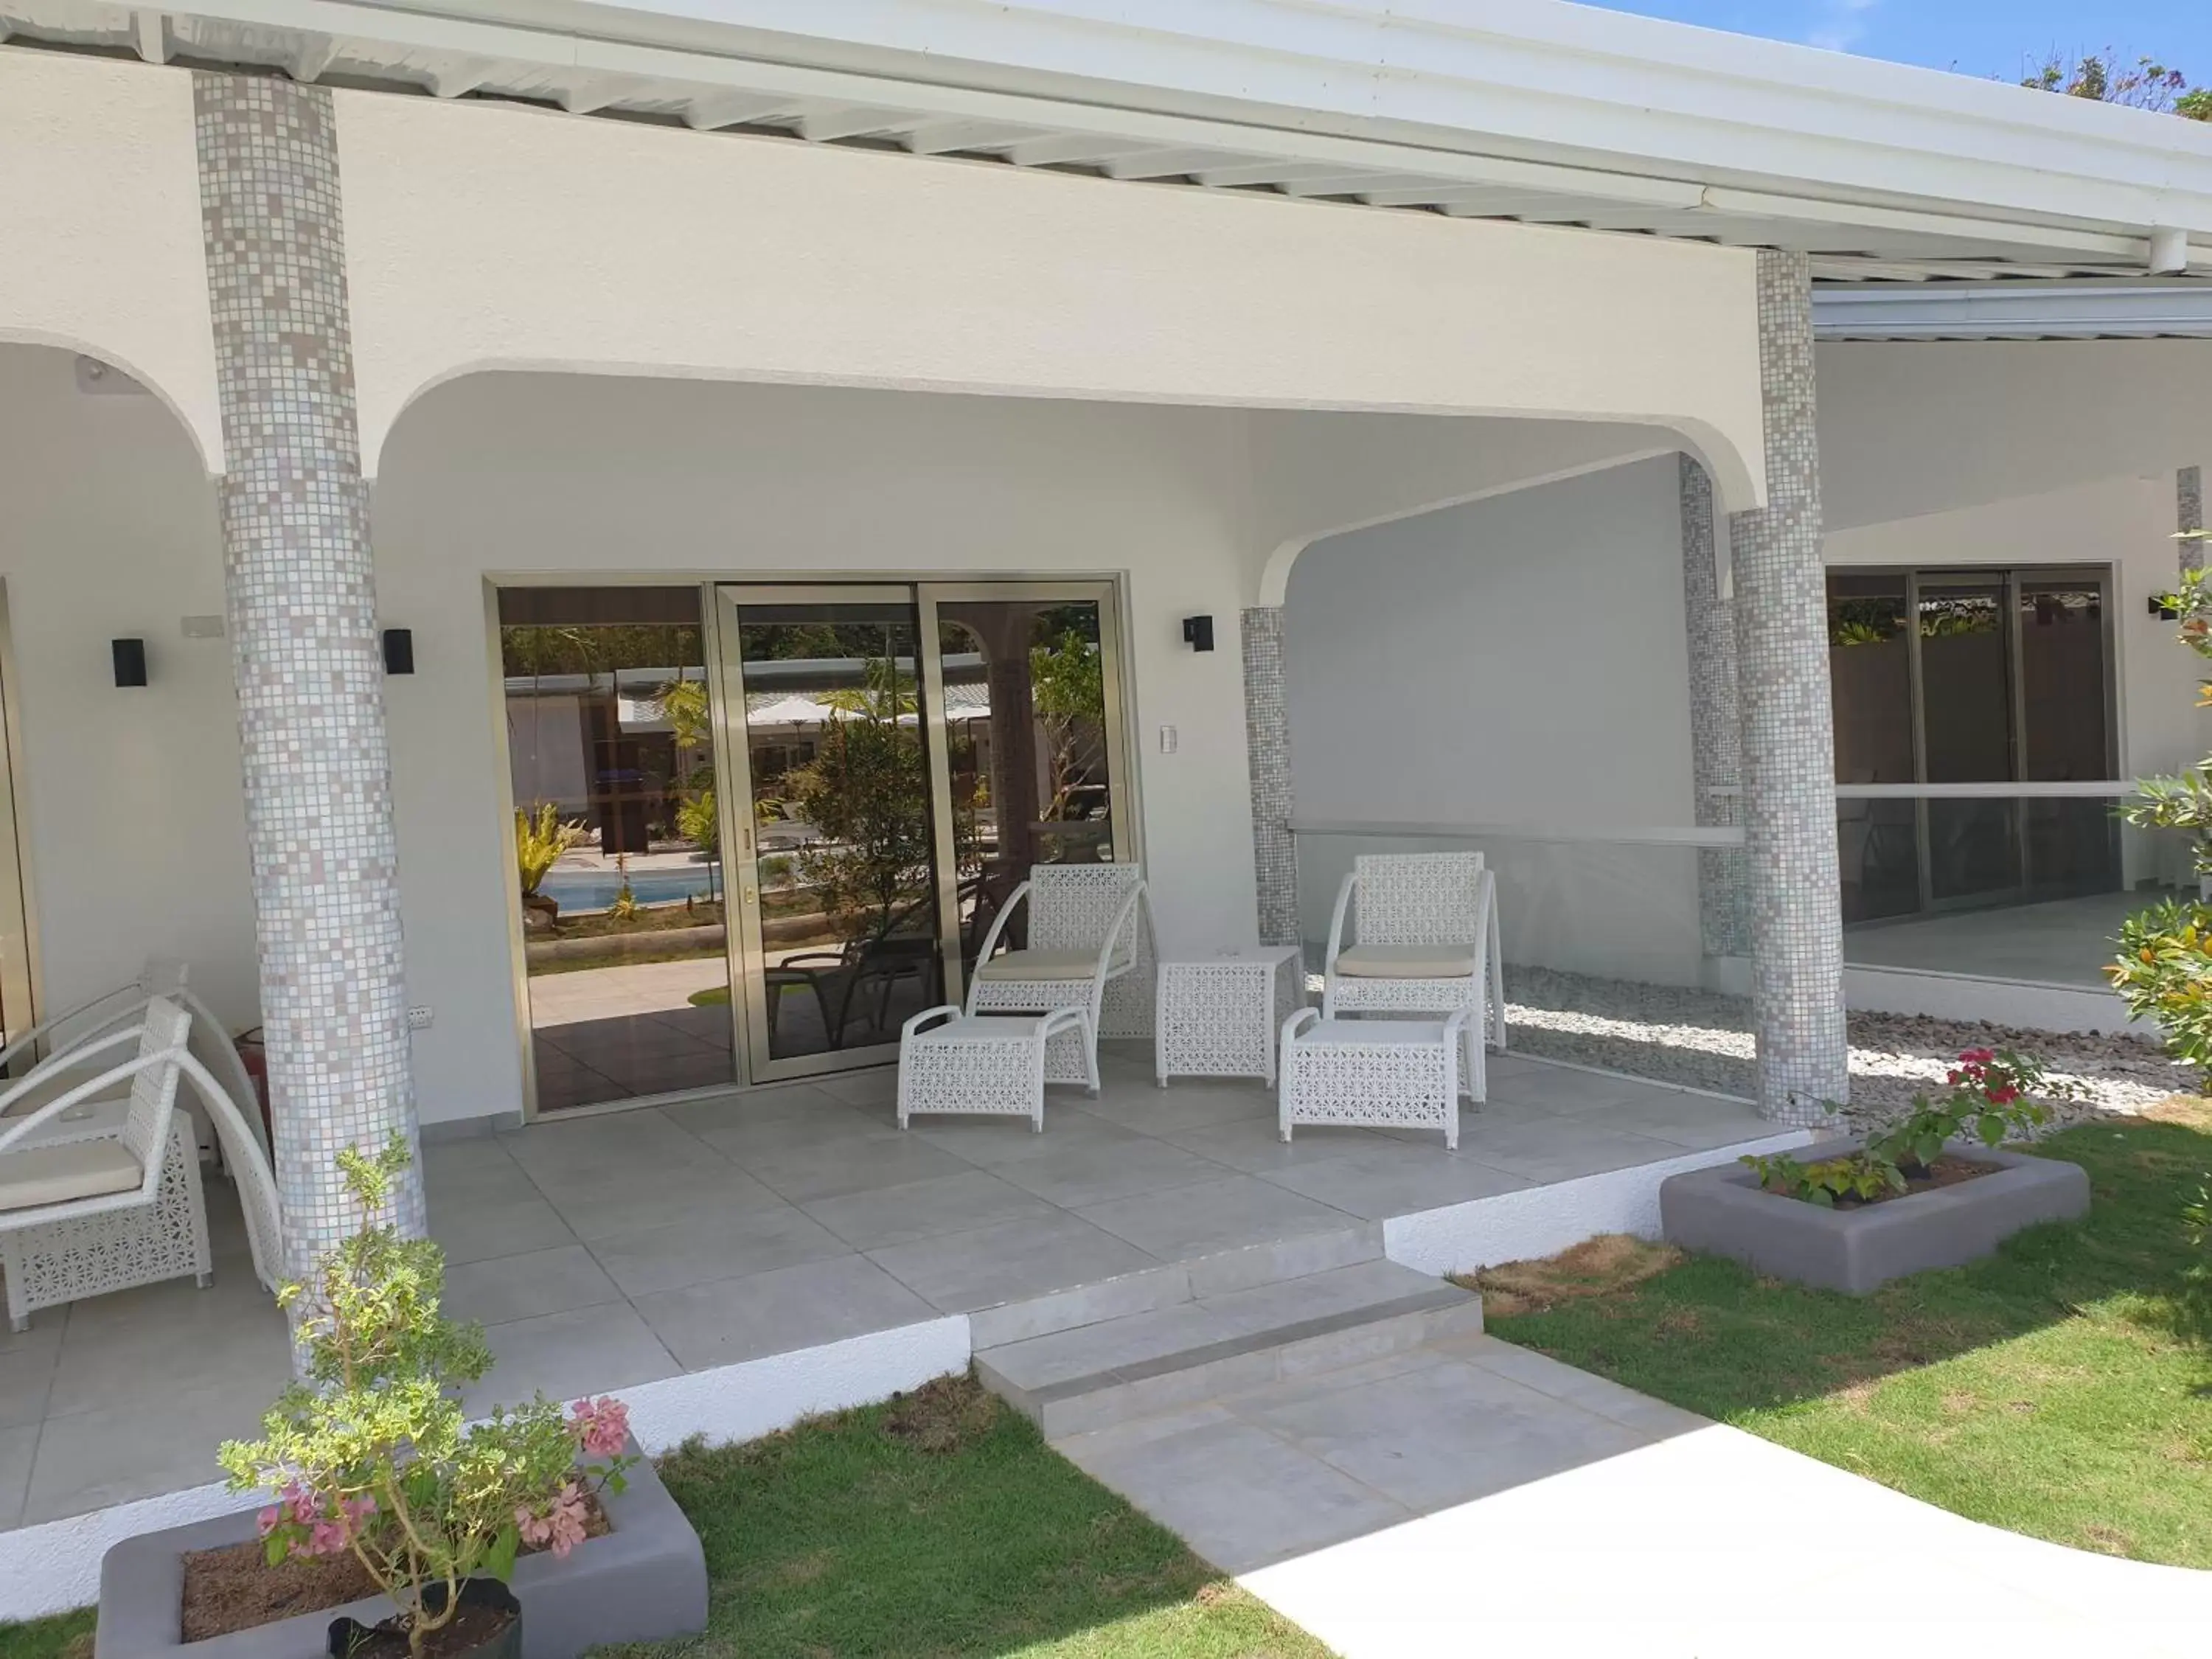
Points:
1471	1498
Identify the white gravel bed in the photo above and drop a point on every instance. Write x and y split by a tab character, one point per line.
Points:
1673	1034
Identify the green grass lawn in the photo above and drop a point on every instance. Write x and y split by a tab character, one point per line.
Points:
2050	1390
939	1525
68	1636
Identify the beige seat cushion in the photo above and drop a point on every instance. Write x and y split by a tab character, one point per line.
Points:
39	1176
1040	965
1407	962
64	1078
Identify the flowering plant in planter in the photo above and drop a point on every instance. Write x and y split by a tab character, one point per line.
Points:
1990	1099
368	1451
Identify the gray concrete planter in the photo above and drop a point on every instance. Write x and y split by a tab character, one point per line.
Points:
644	1580
1723	1211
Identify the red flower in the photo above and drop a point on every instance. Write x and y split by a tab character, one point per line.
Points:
2004	1097
1978	1056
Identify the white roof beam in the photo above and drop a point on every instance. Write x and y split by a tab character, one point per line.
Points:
313	59
1167	163
828	126
1073	149
1754	205
584	96
943	138
456	79
1277	173
736	109
149	32
1338	182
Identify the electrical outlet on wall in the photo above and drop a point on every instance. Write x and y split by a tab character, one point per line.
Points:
419	1018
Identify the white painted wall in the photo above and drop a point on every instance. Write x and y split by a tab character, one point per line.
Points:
134	824
1518	660
522	475
481	235
133	820
99	224
1908	429
2126	522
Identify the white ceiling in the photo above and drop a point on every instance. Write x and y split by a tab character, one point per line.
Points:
1509	109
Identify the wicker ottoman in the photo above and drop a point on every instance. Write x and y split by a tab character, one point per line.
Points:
1373	1073
950	1061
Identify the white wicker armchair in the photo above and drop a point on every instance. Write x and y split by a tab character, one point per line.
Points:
1425	941
1089	925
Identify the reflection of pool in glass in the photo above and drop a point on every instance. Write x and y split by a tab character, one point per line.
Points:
595	889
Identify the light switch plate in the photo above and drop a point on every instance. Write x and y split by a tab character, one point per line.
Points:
1168	739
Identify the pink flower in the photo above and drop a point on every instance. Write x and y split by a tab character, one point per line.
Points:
1978	1056
561	1529
268	1518
601	1426
2004	1097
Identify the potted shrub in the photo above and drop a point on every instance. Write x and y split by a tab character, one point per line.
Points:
1932	1190
398	1527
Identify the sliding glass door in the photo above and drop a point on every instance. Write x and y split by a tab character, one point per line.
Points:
833	822
900	757
1950	685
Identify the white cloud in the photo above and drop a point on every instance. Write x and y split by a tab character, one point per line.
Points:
1842	24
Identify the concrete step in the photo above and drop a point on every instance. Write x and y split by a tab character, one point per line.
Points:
1076	1380
1173	1284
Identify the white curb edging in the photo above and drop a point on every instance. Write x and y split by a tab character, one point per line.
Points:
1542	1221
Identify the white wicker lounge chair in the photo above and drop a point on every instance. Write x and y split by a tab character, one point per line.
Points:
1425	942
223	1095
1089	924
76	1201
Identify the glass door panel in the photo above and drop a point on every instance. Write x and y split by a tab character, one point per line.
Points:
824	717
1033	738
610	766
1968	734
2073	847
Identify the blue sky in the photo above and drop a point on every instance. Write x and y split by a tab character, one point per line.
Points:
1975	37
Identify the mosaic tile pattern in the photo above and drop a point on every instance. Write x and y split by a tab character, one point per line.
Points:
1716	749
1268	745
1788	750
2189	514
300	592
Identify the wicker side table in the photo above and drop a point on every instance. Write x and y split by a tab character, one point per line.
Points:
1217	1016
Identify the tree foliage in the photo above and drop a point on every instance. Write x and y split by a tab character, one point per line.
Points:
1067	680
2105	77
2163	968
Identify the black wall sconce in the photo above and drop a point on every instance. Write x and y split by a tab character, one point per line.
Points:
398	650
129	661
1198	633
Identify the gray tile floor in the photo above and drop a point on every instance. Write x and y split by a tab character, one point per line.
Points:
609	1251
2059	942
1255	1478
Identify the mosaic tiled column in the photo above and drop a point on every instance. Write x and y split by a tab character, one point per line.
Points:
1715	750
1789	746
2189	514
300	593
1268	745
